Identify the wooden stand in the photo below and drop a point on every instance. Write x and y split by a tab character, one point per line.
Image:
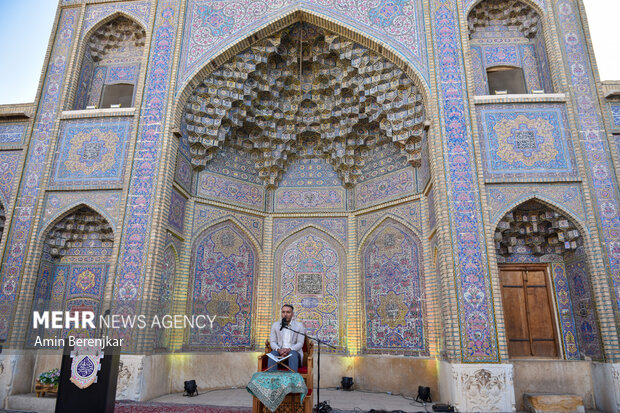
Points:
43	389
290	404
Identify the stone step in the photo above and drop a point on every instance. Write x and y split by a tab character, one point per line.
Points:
548	403
31	403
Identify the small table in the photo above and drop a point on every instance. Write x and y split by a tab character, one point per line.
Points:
272	387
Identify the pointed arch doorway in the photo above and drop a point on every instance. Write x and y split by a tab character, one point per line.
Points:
301	135
547	296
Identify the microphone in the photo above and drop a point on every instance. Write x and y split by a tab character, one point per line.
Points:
283	323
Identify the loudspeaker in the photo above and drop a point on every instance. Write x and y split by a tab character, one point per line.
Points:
424	394
191	388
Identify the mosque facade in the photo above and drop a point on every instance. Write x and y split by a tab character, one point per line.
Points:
431	183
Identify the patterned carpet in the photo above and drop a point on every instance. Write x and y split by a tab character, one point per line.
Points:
126	406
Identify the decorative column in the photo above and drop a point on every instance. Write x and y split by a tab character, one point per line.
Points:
353	286
265	287
460	383
603	184
29	195
141	210
144	216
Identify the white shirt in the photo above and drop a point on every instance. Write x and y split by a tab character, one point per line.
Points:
286	338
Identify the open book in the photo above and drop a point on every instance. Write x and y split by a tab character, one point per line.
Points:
278	359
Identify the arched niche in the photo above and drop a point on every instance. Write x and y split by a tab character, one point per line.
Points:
309	273
545	281
224	265
73	266
508	49
110	64
394	294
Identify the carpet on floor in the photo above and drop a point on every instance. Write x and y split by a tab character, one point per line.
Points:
126	406
14	411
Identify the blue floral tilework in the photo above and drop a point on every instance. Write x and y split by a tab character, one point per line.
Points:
139	10
9	161
614	111
476	314
504	197
87	280
176	216
525	141
565	309
408	212
91	153
310	173
395	185
34	169
210	25
295	199
183	173
104	202
12	133
283	227
217	187
204	215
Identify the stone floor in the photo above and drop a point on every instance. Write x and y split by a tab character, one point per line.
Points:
338	399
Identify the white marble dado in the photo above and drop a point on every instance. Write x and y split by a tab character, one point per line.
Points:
606	378
142	377
15	373
478	387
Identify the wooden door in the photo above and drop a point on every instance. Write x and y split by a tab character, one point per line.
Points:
528	313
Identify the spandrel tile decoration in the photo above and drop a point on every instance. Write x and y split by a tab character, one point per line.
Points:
432	185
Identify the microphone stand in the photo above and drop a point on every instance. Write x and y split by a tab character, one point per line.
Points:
318	362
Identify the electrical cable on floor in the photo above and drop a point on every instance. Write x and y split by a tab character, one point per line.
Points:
419	404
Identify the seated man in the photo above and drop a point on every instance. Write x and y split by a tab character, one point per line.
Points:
284	342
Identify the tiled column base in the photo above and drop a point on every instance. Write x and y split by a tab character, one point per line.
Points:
606	378
477	387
